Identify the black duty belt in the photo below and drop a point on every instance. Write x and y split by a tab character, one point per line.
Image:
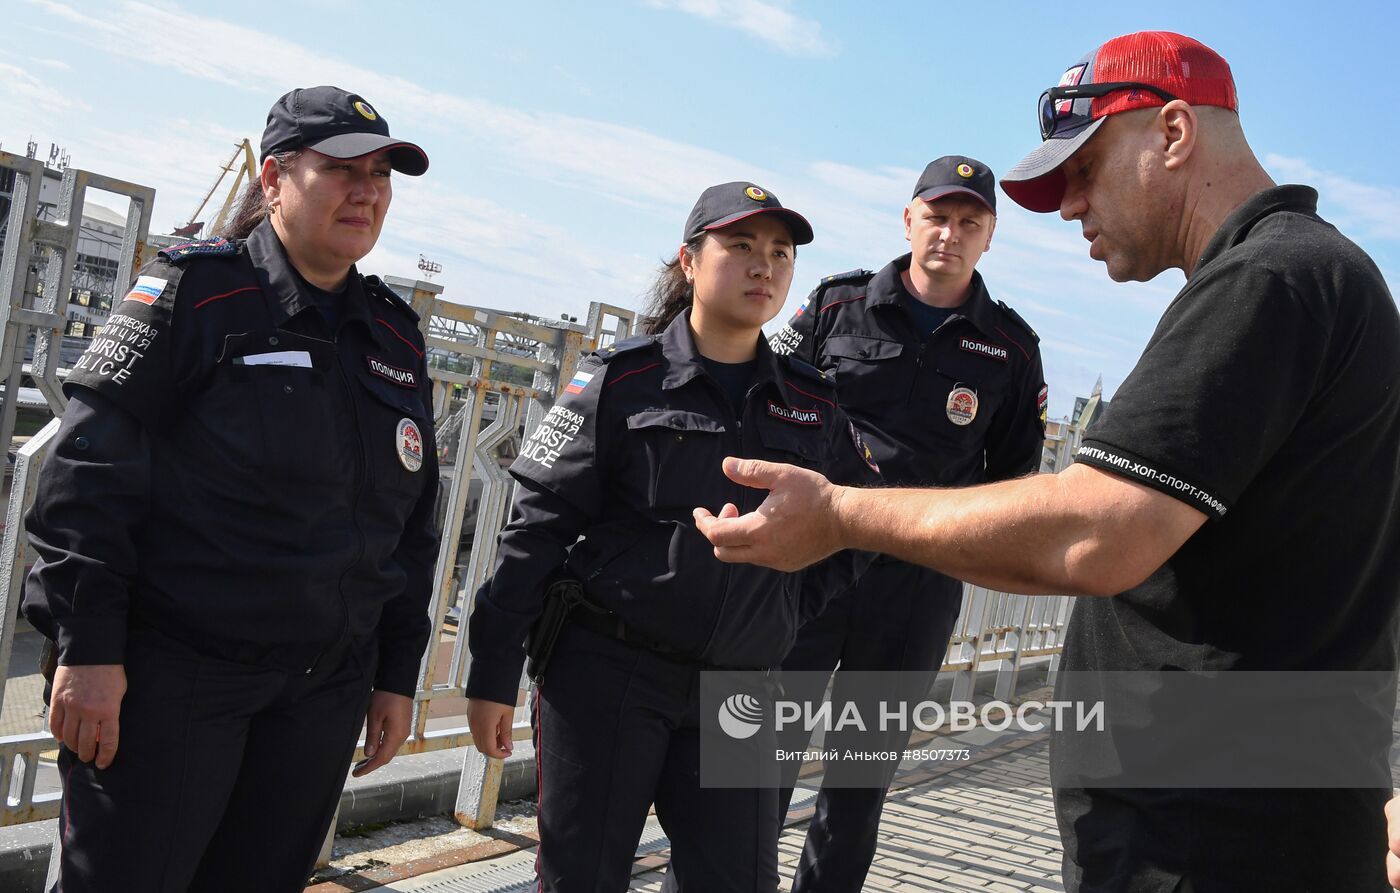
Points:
606	623
300	659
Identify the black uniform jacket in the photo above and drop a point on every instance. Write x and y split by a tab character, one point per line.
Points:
237	475
633	445
909	393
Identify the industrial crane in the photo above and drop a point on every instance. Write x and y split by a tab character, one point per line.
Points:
248	167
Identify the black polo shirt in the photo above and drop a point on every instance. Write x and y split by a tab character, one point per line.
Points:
1269	399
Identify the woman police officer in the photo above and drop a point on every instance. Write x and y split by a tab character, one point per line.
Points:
634	443
235	529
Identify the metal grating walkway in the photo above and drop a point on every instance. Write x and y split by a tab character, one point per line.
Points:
516	873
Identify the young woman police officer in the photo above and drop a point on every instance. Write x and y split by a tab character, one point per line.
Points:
633	445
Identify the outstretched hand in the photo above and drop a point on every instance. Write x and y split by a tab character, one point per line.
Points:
796	525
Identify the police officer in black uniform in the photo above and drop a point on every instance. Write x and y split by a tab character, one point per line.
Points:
235	529
946	387
634	443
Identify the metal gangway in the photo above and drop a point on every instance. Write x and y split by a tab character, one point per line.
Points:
496	374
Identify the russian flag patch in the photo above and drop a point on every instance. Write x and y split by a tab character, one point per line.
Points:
146	290
578	383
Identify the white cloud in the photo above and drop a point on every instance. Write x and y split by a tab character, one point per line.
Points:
73	16
19	88
886	184
1031	307
1369	211
499	256
531	258
771	21
625	163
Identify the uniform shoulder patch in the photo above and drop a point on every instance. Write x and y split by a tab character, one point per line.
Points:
375	286
1016	318
806	370
857	275
626	345
158	279
220	247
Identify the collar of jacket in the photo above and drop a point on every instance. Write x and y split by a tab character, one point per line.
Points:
683	361
279	281
887	288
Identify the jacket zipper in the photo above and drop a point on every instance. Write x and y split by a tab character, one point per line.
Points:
360	470
738	490
924	342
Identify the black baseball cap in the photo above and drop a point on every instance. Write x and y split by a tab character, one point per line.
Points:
338	124
957	174
730	202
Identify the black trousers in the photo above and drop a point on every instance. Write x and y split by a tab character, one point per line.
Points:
898	617
619	731
226	775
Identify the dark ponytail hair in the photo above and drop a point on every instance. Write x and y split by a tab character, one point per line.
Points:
670	293
252	207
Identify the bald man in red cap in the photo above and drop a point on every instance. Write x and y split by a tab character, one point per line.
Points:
1236	512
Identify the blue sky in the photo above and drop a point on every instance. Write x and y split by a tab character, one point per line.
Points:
569	140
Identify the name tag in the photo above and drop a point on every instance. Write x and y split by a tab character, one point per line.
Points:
299	358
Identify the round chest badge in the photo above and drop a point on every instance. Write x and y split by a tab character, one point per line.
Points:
409	443
962	406
755	193
965	171
364	109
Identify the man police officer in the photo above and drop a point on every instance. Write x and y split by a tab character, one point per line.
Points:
946	387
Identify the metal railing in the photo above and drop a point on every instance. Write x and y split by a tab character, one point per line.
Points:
1005	629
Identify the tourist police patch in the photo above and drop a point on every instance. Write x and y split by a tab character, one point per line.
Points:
962	406
409	443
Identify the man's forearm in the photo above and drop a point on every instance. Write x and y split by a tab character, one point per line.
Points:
1034	535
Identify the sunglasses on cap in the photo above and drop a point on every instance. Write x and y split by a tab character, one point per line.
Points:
1051	120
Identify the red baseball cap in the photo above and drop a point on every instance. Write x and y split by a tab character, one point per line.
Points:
1129	72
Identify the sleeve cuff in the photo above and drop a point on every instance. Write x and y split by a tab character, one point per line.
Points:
91	641
495	679
1121	462
398	670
